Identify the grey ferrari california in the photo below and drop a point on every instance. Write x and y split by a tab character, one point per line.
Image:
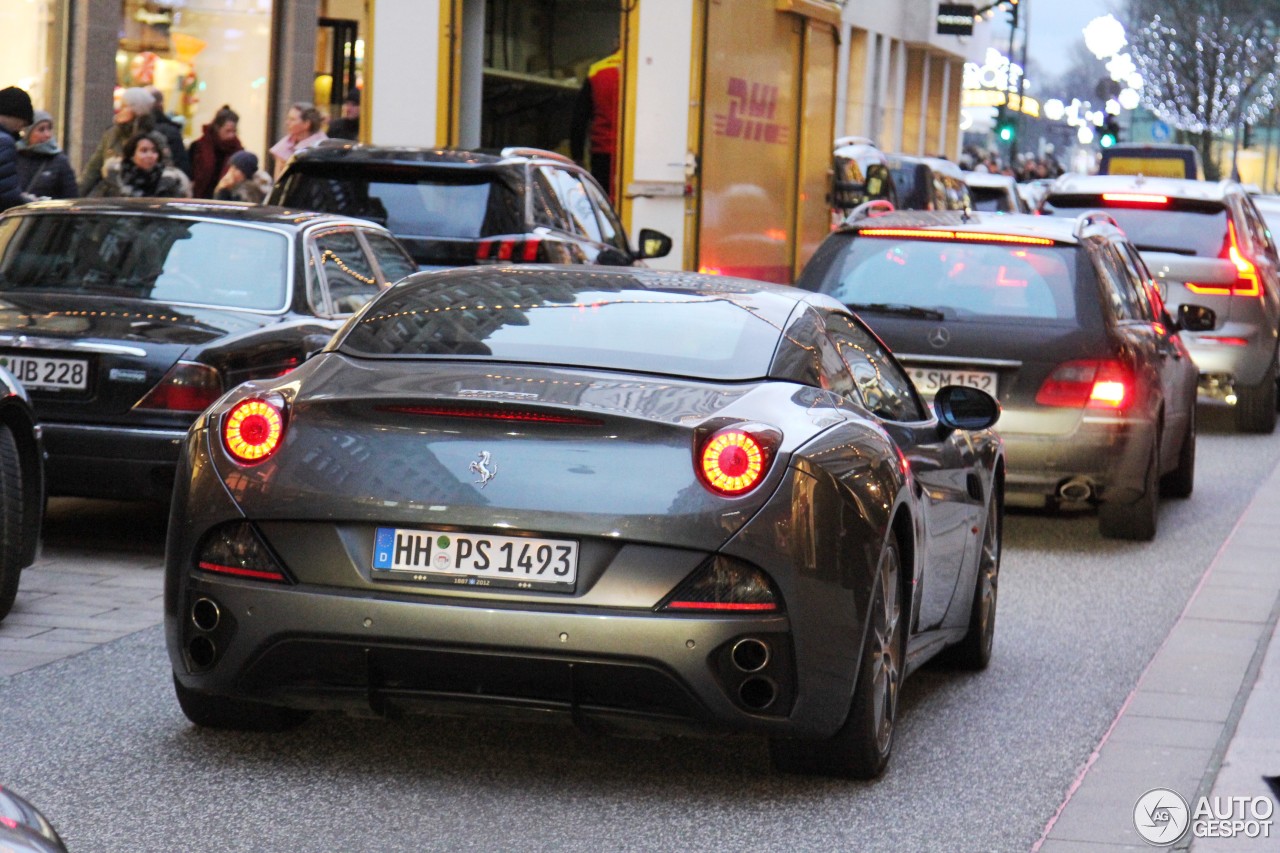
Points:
638	498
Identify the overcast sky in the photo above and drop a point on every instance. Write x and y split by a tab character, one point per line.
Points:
1056	25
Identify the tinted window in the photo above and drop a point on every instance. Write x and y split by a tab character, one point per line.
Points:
1119	288
573	197
410	202
992	199
961	280
347	271
160	258
610	228
582	320
1199	230
391	259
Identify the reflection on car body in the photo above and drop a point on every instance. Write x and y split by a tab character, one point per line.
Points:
549	488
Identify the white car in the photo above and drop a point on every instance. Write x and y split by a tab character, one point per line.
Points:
995	193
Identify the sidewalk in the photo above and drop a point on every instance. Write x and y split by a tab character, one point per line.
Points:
1204	719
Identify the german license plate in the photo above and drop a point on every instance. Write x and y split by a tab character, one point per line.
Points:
929	379
475	559
50	374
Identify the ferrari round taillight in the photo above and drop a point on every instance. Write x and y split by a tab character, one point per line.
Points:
732	461
252	430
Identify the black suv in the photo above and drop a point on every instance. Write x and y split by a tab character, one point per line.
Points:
454	207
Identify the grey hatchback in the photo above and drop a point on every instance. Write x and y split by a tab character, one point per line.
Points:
1060	321
1206	242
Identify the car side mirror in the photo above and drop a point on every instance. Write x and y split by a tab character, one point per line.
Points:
1197	318
961	407
654	244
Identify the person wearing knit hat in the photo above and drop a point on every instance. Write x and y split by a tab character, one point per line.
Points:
15	114
43	168
243	180
132	117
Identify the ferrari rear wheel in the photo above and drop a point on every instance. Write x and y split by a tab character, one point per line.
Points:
11	503
974	651
222	712
861	749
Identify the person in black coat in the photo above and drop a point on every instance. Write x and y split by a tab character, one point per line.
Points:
43	168
172	132
15	114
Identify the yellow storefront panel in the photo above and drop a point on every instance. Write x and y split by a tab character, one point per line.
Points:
750	140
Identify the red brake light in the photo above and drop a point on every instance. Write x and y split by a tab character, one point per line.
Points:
965	236
252	430
187	387
1087	384
725	584
510	249
732	461
1246	283
1138	199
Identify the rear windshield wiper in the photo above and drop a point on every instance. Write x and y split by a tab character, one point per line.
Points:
900	309
1173	250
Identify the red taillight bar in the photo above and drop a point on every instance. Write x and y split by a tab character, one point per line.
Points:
494	414
509	250
967	236
1247	281
240	572
1137	198
719	605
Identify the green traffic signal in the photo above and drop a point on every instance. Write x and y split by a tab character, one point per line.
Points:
1107	140
1006	133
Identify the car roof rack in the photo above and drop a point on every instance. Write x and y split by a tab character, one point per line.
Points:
1093	217
527	151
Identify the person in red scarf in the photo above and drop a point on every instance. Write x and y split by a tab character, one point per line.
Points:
210	153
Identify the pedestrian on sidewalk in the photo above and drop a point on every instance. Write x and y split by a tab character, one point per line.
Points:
347	125
302	130
243	180
144	170
132	117
172	131
15	114
43	168
210	153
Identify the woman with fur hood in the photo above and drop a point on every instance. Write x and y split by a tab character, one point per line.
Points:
133	117
144	170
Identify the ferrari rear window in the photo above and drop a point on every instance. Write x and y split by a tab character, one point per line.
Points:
580	320
954	280
160	258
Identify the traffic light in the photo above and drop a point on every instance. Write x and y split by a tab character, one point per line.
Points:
1013	14
1110	133
1006	130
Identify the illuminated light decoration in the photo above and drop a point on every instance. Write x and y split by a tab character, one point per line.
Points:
252	430
1246	283
1129	98
1104	36
967	236
1054	109
1146	199
1211	77
493	414
1084	135
732	462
